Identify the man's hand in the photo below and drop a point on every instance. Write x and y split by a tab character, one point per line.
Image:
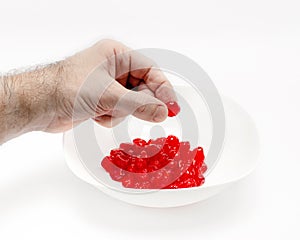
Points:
105	82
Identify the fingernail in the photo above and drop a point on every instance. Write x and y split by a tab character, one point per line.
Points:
160	114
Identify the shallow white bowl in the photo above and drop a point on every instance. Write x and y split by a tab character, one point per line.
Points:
238	158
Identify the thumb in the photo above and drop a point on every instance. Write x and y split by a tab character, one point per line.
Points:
149	108
139	104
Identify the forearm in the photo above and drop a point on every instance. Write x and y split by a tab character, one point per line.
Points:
28	101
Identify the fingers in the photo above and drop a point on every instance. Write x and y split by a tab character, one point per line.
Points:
108	121
123	102
144	88
150	108
142	67
131	67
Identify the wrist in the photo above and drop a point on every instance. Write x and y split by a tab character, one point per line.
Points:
28	100
42	95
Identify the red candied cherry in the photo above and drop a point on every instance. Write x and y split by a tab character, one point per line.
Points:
184	147
152	168
188	182
162	158
203	169
131	167
198	156
141	163
200	181
171	186
142	185
117	174
172	153
128	181
151	151
106	163
173	108
121	161
114	153
155	163
159	142
139	142
181	165
191	172
125	146
172	141
161	178
144	154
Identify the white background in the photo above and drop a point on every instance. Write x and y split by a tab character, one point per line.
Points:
251	51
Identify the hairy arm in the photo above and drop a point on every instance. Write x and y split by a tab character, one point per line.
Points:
28	100
94	83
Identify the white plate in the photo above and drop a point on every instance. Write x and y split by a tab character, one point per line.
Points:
238	158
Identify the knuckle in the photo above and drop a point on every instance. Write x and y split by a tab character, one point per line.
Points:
147	109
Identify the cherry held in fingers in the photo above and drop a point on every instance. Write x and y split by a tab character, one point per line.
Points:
173	108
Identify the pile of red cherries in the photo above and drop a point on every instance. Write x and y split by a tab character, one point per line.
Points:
162	163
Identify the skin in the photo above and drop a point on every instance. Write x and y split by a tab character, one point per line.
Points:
106	82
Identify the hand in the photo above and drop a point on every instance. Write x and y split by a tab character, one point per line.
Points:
105	82
97	83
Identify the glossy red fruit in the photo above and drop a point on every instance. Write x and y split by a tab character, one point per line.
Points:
187	182
160	163
184	147
199	154
126	146
203	169
173	108
172	141
106	164
128	181
151	150
159	142
141	164
201	180
139	142
117	174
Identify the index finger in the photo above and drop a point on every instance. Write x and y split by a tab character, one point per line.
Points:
144	68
